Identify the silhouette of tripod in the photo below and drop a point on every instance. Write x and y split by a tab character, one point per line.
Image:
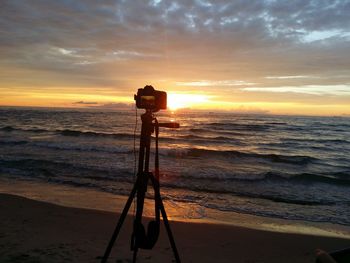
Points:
140	239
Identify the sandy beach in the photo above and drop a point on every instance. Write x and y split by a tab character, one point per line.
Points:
36	231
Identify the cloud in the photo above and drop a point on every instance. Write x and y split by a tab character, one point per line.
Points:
86	102
290	77
205	44
208	83
336	90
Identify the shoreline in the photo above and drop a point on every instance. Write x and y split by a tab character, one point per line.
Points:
87	198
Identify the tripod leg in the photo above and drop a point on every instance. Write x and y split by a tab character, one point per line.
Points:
167	226
120	223
134	255
159	201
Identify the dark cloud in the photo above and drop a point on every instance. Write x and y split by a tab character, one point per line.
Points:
86	102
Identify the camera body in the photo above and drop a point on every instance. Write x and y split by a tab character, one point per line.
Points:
150	99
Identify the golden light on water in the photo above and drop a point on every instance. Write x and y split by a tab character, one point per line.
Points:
180	101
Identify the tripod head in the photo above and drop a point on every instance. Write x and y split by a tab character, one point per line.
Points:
150	122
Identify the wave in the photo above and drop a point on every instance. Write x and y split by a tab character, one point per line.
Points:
270	197
295	215
341	178
131	136
93	134
37	167
198	138
198	130
333	125
7	128
278	197
76	133
12	142
197	152
276	123
337	178
239	126
77	175
68	132
315	140
10	129
275	197
70	147
286	200
220	132
83	148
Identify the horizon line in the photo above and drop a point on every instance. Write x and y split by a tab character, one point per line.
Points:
184	110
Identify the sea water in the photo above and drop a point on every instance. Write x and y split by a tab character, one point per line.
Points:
290	167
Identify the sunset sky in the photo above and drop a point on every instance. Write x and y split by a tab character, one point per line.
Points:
281	57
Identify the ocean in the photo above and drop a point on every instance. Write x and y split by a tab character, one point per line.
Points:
289	167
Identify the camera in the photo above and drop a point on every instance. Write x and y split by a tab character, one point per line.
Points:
150	99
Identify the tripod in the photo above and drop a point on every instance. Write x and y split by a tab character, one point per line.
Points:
140	239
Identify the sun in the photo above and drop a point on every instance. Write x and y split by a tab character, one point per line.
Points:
179	100
175	102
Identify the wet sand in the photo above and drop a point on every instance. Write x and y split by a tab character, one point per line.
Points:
35	231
